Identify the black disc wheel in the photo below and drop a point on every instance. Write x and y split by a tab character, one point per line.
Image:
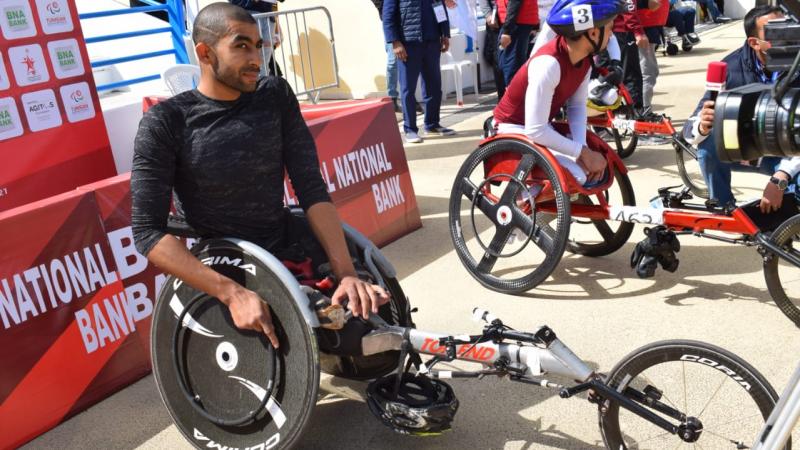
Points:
689	168
509	216
602	237
782	276
625	139
225	387
714	398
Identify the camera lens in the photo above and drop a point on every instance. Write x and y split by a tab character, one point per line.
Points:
749	123
777	124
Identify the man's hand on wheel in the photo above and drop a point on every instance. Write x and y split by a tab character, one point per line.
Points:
593	163
362	297
250	312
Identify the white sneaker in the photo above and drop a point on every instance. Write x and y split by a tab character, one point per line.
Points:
412	137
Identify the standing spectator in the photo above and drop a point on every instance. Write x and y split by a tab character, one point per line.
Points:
518	19
489	9
391	64
652	19
270	31
630	35
419	31
682	19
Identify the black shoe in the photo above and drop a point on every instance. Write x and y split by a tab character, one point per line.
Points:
693	38
396	105
722	19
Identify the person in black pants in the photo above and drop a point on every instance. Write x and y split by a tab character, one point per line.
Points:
489	9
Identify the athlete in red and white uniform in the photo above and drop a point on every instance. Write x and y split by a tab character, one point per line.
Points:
558	76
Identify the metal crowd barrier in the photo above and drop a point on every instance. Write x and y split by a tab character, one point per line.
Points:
300	49
176	28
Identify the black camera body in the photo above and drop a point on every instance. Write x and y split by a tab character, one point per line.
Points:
762	119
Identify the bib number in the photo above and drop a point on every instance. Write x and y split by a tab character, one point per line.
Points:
438	9
582	17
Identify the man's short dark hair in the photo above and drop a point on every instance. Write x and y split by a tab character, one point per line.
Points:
211	23
752	16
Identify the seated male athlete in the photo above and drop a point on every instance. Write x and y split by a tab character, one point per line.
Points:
556	76
223	149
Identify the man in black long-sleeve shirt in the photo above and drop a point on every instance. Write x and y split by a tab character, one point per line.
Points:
223	148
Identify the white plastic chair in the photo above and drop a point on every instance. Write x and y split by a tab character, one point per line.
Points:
449	64
181	77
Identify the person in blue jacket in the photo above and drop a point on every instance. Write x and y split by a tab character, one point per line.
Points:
419	31
745	65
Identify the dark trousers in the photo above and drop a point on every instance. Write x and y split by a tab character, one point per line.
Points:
511	58
490	55
682	19
630	66
423	59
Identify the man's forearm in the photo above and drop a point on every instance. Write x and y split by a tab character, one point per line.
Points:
327	227
171	256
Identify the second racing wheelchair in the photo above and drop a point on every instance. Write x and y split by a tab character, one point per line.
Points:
227	388
514	211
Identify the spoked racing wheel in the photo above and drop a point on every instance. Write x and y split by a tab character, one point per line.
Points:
229	388
499	233
599	237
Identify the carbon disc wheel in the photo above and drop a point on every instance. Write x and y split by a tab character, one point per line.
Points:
783	277
229	373
498	230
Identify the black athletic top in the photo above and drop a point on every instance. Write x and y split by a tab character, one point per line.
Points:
225	161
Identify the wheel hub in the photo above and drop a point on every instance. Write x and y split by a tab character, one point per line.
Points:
690	430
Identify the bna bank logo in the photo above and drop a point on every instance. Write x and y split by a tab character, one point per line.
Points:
53	8
77	96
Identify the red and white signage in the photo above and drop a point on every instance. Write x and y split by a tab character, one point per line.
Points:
51	138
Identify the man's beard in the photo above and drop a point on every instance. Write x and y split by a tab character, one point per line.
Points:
231	78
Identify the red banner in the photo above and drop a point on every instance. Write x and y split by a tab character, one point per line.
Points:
363	162
52	134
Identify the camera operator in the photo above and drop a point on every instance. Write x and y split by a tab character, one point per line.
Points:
745	65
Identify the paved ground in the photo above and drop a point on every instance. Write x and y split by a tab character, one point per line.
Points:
597	306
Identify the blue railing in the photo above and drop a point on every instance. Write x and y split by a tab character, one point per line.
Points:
176	28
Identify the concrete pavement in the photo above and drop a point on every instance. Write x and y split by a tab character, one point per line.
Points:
596	306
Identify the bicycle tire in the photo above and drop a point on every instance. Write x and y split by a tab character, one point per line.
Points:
618	238
554	239
625	150
721	364
785	236
684	160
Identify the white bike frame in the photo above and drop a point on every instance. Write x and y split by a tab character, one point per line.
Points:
780	423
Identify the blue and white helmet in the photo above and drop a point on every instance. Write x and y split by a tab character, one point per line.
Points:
571	18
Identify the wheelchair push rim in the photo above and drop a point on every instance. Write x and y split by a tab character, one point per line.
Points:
487	206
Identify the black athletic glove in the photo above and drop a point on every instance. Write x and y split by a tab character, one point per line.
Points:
614	75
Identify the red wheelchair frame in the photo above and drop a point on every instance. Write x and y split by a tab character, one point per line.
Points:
556	195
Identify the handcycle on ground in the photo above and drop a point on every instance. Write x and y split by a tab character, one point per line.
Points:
514	211
227	388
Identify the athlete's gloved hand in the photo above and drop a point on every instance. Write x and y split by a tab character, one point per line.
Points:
362	297
614	75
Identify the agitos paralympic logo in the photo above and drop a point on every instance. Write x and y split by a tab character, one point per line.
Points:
53	8
76	96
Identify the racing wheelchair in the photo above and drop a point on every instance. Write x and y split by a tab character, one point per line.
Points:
514	211
226	388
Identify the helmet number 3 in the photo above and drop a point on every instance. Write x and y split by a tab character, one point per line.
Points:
582	17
